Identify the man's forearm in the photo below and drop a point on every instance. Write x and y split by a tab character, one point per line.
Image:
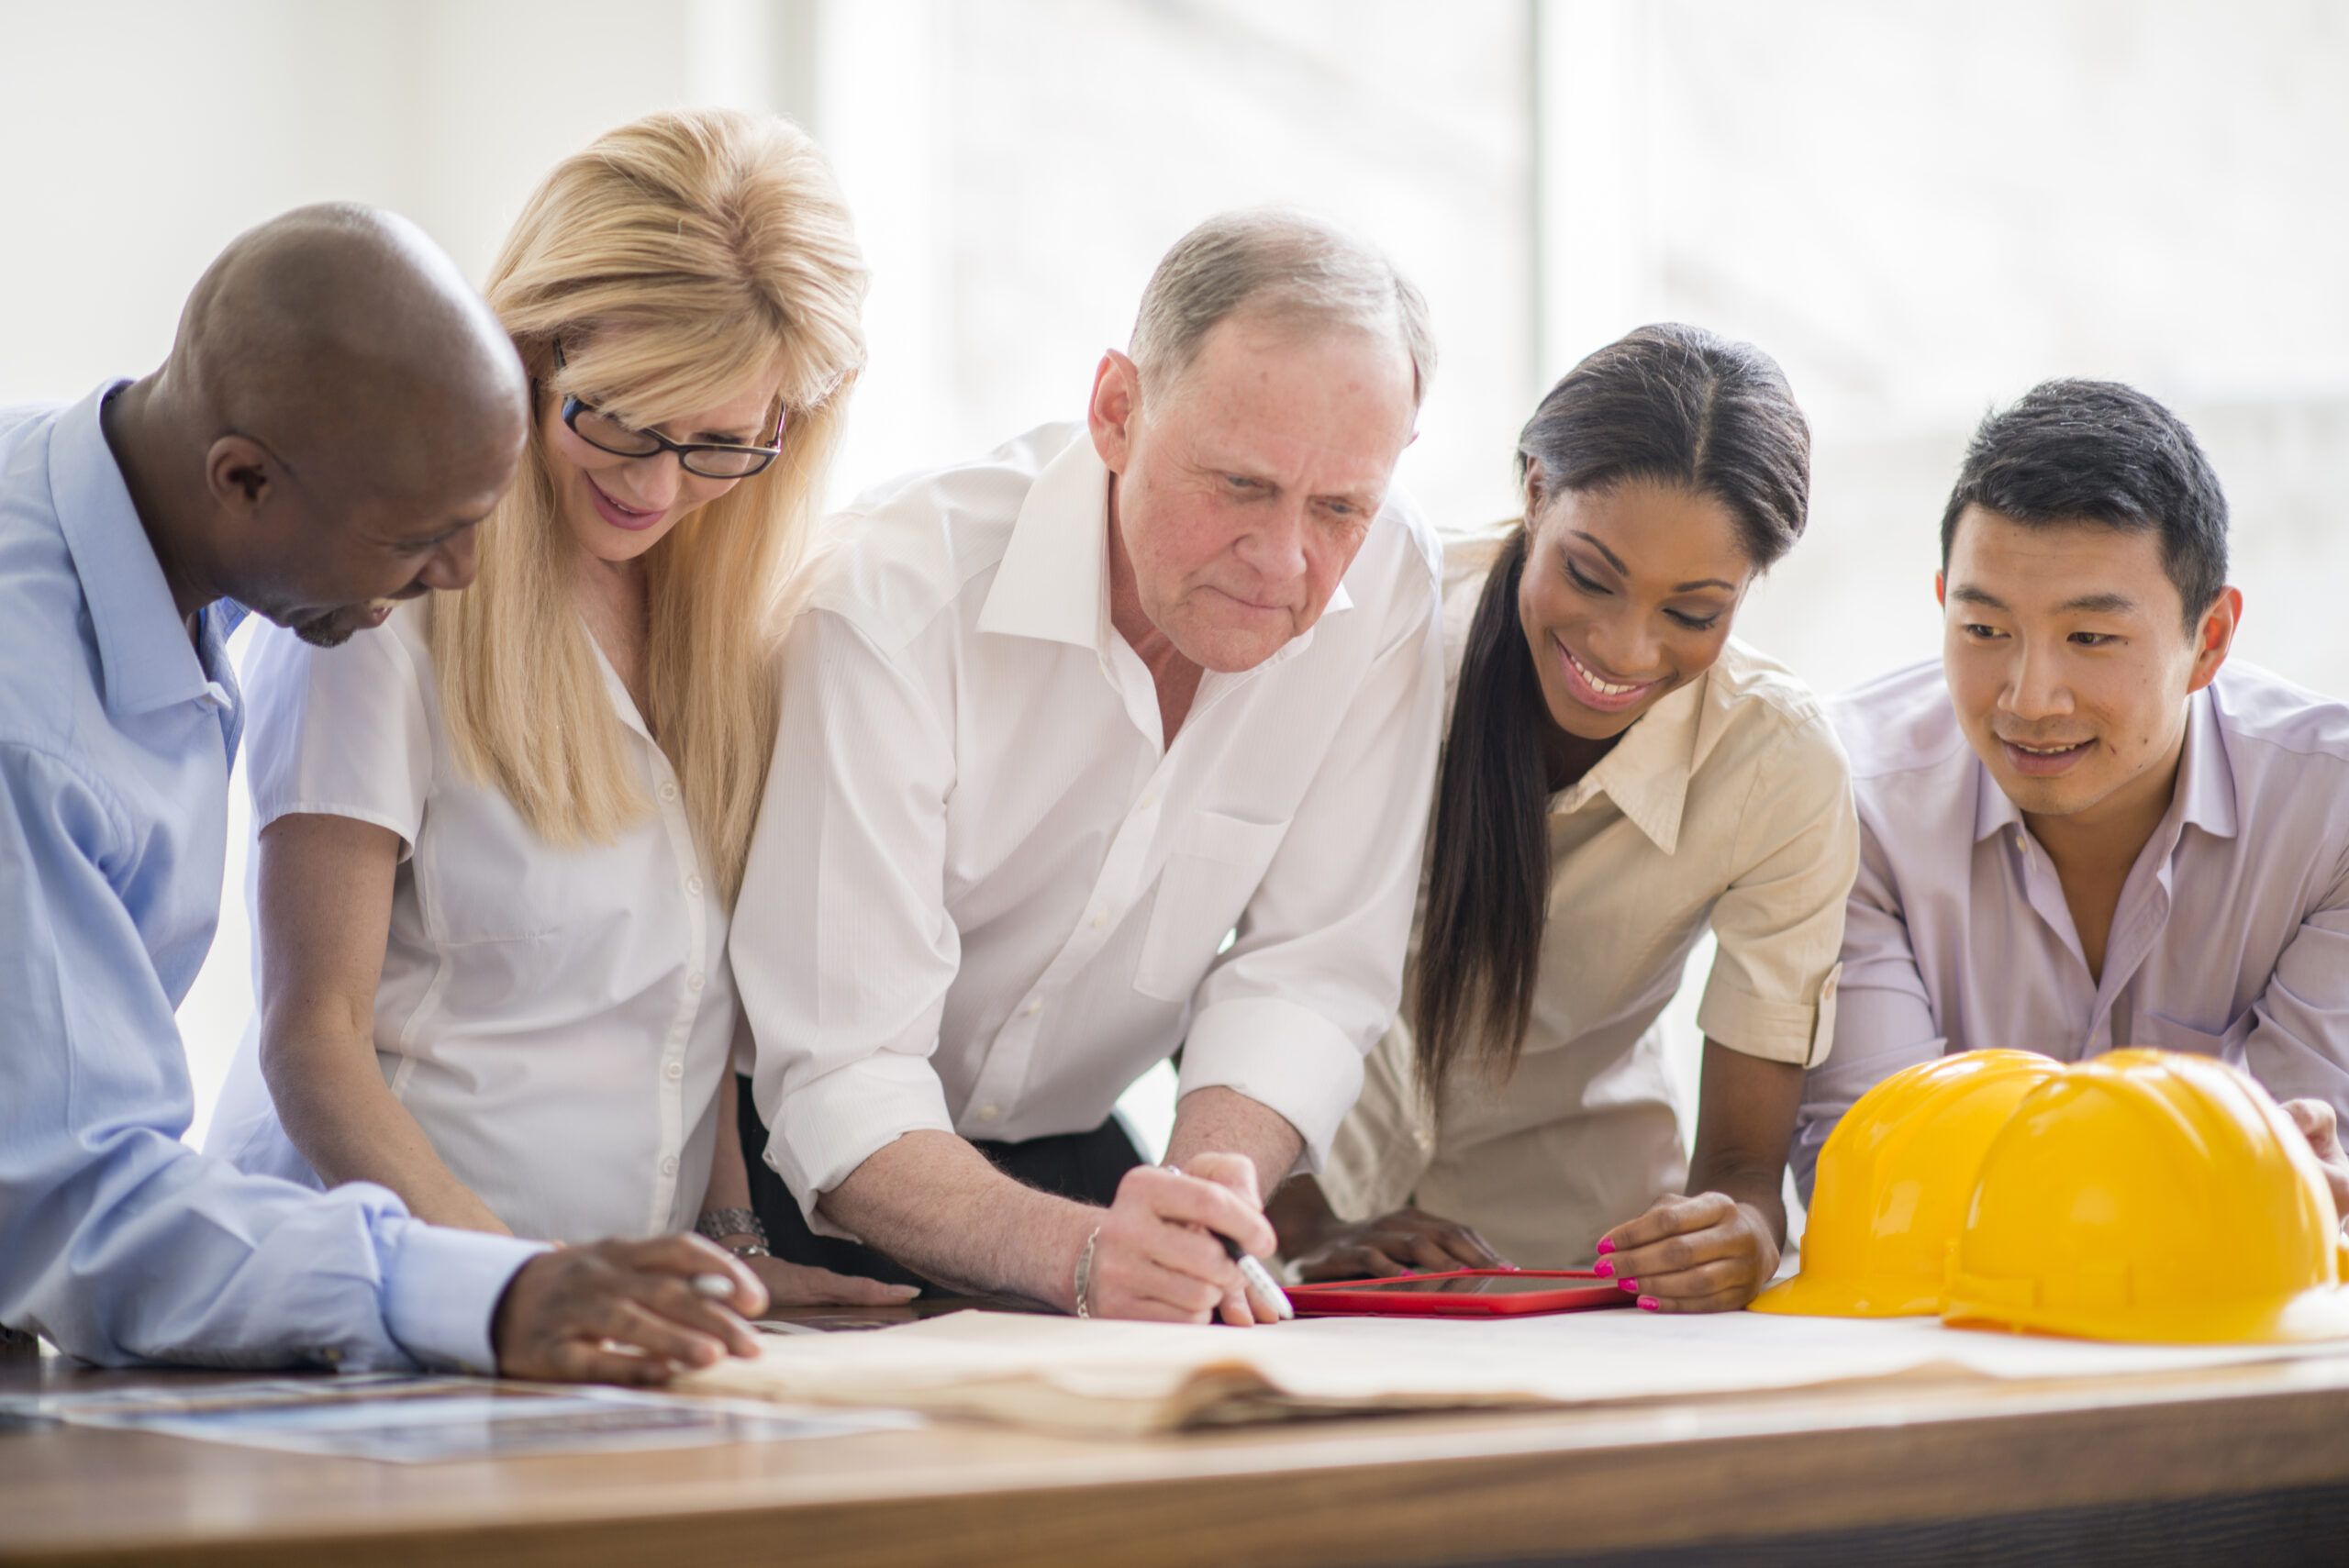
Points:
935	1205
1217	1121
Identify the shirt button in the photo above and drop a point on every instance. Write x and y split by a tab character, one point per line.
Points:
1032	1009
1100	920
693	886
694	981
674	1071
988	1113
1149	799
668	790
1423	1137
668	1165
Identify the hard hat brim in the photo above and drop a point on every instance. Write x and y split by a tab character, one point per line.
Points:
2317	1314
1805	1296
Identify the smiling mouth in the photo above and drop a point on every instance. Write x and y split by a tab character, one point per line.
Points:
1605	688
1597	690
2044	760
619	514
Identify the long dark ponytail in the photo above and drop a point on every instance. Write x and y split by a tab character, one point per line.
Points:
1671	404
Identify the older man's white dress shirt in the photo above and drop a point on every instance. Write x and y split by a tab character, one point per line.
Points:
985	897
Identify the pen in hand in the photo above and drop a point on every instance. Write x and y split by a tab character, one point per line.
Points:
1259	1278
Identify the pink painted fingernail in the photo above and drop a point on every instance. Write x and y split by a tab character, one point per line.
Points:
1606	1245
1647	1304
1604	1270
1628	1284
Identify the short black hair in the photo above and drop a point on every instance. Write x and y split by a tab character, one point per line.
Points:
2100	451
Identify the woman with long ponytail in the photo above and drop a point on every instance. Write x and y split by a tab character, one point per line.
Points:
1619	775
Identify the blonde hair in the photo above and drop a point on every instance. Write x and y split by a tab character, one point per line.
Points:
678	259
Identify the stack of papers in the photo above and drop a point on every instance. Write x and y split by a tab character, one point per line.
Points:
414	1419
1098	1377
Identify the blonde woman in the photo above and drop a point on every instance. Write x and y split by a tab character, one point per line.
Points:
501	837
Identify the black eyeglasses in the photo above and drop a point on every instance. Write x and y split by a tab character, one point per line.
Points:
711	459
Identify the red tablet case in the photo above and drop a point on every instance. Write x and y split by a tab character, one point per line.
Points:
1348	1298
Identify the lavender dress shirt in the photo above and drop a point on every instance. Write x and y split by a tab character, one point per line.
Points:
2232	937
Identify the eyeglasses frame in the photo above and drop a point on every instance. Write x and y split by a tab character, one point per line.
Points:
574	405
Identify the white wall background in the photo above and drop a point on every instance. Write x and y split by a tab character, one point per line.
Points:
1919	210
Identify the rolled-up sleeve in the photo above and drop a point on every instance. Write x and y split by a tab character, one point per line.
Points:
116	1240
1771	993
842	947
1314	970
1883	1020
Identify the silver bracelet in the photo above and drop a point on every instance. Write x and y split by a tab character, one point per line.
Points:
719	1223
1084	1273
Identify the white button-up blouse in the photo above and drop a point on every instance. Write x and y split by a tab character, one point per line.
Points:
555	1019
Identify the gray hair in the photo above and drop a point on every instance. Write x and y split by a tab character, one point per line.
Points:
1291	267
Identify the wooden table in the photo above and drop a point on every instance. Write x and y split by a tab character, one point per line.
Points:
2248	1463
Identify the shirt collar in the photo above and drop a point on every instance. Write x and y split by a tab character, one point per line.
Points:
1994	810
616	690
1053	579
2204	796
2205	782
1647	774
143	648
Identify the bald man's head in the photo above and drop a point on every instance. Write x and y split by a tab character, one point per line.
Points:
359	409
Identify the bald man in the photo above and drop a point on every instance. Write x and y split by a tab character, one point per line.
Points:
338	412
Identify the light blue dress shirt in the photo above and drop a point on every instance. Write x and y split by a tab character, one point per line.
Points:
116	735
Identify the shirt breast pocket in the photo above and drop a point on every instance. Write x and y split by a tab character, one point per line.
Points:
1209	877
2169	1034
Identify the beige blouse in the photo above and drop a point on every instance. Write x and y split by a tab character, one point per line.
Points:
1727	804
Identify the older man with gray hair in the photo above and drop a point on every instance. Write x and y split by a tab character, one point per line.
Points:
1115	741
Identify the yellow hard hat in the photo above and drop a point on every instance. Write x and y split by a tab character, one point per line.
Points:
1893	1181
2151	1196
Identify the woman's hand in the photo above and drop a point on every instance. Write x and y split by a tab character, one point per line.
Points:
1706	1252
2318	1124
1320	1246
798	1285
1714	1250
789	1285
1407	1241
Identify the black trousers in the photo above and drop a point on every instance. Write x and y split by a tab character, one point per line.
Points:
1086	1166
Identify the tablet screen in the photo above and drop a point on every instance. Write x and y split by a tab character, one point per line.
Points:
1473	1284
